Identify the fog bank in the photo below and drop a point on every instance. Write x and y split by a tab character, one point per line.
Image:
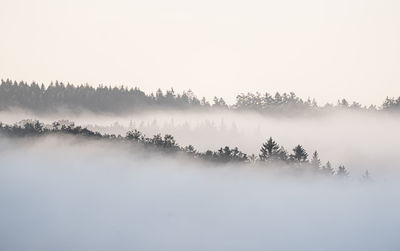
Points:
359	141
64	194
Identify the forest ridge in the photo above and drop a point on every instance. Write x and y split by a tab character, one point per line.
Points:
271	154
77	98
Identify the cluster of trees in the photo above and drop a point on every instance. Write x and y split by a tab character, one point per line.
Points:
391	104
290	103
58	95
271	154
273	103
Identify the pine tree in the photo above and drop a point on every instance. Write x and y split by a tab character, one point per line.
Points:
299	154
315	161
268	149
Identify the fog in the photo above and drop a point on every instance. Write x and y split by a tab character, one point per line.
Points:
121	201
114	66
65	193
360	141
68	194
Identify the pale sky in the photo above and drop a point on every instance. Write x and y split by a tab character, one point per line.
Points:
316	48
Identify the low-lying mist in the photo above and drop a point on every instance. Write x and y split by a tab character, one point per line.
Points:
360	141
62	193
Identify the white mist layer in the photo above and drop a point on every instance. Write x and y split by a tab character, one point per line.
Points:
360	141
63	194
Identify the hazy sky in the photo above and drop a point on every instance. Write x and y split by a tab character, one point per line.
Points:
317	48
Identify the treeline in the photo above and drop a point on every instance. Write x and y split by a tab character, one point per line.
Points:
40	99
271	153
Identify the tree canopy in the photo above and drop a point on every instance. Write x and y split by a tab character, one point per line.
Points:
107	99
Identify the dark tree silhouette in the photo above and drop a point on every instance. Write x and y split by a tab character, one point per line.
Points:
190	150
84	97
299	154
107	99
268	149
134	135
271	151
170	143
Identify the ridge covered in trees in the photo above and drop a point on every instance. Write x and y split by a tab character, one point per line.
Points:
40	99
271	153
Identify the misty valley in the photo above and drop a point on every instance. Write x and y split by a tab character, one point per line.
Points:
101	169
213	125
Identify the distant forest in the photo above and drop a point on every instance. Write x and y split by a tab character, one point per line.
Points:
271	154
59	96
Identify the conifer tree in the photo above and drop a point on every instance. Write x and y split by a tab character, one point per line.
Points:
268	149
299	154
315	161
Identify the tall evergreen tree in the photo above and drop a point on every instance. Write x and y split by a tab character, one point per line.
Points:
268	149
271	151
299	154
